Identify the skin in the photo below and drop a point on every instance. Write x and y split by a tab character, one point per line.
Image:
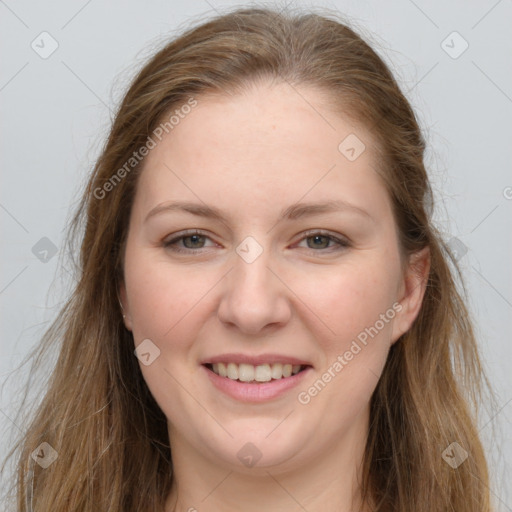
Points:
252	155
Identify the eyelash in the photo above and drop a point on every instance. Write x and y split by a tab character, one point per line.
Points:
171	244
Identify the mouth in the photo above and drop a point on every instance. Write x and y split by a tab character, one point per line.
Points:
255	379
256	374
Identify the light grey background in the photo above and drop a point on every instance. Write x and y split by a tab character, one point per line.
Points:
55	114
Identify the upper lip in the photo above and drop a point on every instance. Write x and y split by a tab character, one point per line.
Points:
255	360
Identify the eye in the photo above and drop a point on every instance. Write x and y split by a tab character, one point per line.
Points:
320	240
194	240
191	240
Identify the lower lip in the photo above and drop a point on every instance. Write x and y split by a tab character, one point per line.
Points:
255	392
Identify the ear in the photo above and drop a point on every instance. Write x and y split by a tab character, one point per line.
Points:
124	306
411	291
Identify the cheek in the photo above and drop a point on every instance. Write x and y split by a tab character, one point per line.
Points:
350	300
357	304
167	306
161	296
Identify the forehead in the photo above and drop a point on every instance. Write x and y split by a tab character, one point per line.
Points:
260	150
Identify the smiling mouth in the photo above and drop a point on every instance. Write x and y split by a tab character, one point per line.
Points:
249	373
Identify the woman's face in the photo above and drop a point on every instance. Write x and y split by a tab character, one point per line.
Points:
302	273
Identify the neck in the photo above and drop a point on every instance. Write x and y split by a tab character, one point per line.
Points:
327	482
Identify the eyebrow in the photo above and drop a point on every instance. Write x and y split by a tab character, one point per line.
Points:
293	212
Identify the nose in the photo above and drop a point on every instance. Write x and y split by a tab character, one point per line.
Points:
254	298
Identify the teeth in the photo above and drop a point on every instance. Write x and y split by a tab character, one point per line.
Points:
232	371
245	372
277	371
250	373
262	373
223	371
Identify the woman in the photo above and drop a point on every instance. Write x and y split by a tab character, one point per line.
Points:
265	317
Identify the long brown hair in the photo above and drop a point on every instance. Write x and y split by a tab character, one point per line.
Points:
98	414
